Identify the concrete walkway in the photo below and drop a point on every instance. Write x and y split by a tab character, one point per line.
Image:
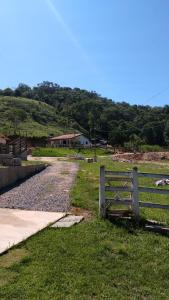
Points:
68	221
17	225
36	203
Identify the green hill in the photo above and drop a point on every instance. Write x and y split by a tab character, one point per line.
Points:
57	109
36	118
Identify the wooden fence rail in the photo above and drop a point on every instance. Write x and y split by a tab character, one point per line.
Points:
132	177
15	147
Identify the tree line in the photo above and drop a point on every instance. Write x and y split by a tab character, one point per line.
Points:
117	122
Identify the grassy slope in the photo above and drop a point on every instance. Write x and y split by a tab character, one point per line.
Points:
47	122
93	260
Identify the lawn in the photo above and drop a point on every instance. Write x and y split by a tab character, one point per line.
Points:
94	260
62	152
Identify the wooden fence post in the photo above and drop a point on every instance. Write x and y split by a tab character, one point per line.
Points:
102	196
135	194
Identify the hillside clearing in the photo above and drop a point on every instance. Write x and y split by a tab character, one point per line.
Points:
38	119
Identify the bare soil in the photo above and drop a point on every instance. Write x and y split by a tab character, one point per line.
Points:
149	156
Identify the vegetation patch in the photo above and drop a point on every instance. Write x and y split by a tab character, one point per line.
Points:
152	148
62	152
13	256
31	117
31	162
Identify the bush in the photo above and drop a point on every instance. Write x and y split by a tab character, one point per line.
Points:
151	148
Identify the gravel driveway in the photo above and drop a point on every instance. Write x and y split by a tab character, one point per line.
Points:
47	191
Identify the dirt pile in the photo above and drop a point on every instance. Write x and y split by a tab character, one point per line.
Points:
149	156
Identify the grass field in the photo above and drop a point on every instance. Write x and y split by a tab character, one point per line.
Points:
62	152
94	260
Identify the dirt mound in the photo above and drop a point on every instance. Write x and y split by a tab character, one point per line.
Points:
149	156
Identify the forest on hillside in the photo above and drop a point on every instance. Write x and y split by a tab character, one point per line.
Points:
99	117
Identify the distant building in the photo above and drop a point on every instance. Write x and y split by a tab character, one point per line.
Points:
70	140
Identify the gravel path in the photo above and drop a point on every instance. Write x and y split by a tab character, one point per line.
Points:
47	191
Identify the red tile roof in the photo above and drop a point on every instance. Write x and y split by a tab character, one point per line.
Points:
65	136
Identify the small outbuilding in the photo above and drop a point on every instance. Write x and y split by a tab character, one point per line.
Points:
70	140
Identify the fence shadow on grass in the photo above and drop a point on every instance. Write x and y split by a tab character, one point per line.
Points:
133	226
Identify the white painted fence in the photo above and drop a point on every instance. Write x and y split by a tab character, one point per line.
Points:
134	189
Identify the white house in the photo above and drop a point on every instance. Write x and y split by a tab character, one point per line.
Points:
70	140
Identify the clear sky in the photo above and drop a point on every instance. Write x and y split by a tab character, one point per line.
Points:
118	48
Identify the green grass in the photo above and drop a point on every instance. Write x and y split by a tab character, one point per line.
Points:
31	162
41	118
62	152
94	260
152	148
85	193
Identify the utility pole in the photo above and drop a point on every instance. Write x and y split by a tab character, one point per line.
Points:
95	156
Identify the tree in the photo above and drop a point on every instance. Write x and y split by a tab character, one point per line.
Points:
91	124
153	133
22	90
116	137
7	92
134	143
166	133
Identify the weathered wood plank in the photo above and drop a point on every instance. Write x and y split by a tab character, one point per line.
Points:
153	191
127	179
153	205
151	175
117	176
102	196
118	189
118	173
135	193
119	201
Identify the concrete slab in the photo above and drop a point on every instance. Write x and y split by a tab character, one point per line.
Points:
17	225
68	221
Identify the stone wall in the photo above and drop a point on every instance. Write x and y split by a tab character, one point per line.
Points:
10	175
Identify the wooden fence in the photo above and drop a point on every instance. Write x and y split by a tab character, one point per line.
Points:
132	177
16	147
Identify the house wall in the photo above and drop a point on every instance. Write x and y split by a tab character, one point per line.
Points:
83	140
60	143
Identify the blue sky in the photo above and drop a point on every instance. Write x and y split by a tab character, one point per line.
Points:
119	48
